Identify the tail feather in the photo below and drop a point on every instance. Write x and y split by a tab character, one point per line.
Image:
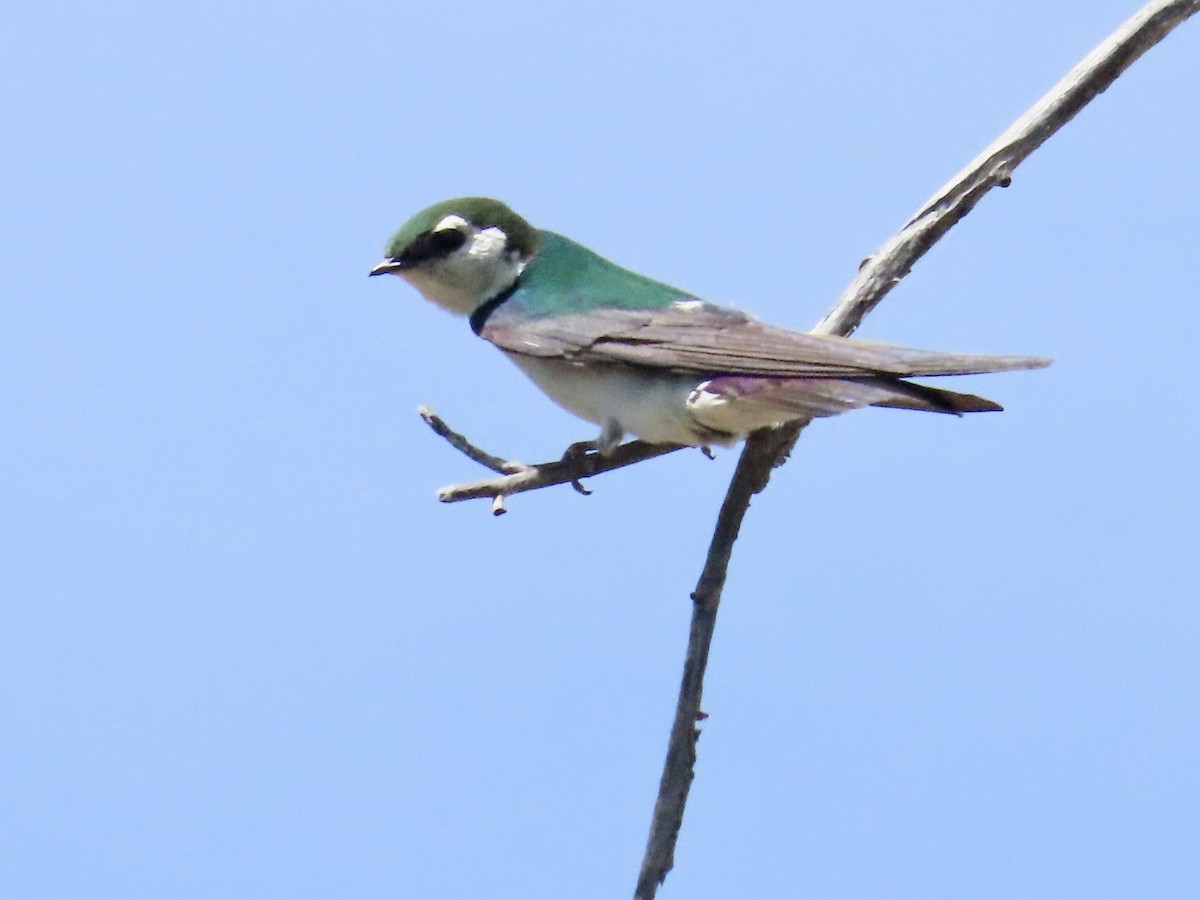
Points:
907	395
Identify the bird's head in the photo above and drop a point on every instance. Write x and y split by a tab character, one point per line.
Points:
461	253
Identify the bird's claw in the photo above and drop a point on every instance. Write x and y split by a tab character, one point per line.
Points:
579	451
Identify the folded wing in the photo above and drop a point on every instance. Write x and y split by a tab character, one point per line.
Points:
693	336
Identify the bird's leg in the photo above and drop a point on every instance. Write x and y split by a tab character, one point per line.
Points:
610	437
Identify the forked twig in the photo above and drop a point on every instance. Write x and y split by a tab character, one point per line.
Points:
517	477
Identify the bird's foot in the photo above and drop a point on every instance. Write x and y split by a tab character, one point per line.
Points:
580	451
610	439
579	455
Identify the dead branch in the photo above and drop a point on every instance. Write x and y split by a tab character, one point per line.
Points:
517	477
766	449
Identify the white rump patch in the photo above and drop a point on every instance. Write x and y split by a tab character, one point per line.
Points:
731	413
688	305
701	400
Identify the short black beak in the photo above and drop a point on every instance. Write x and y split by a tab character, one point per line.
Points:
387	266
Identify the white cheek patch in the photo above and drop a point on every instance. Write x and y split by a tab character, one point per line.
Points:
489	243
451	221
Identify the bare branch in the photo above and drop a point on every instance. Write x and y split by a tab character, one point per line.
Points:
994	166
462	445
516	478
753	470
766	449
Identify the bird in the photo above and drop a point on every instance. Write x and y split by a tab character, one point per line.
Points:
638	357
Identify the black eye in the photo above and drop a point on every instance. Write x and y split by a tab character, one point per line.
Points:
434	245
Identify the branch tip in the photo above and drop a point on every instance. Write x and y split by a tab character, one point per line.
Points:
878	273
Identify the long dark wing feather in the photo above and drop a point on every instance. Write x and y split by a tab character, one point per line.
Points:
708	339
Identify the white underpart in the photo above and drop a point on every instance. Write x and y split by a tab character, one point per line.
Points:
654	407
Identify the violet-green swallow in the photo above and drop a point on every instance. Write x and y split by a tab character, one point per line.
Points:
636	356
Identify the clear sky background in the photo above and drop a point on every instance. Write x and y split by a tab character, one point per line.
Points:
245	653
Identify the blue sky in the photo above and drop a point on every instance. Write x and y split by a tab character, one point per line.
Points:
243	651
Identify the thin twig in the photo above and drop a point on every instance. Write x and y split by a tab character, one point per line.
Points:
568	470
767	449
460	443
517	477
